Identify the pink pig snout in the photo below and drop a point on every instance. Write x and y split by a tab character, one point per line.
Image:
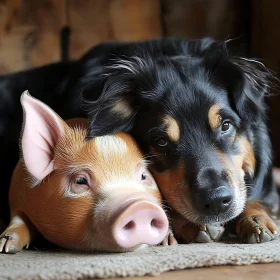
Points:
142	222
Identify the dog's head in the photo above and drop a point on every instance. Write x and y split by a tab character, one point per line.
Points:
196	118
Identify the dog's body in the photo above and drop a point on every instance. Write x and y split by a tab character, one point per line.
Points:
198	112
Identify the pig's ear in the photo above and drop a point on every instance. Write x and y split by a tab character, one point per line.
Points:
42	128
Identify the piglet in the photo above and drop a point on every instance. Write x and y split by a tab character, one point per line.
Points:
79	193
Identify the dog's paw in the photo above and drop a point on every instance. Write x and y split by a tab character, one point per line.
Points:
257	229
209	233
190	233
169	239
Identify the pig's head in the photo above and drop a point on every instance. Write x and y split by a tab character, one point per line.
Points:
92	194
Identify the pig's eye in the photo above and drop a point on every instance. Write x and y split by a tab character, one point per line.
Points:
143	177
79	184
81	181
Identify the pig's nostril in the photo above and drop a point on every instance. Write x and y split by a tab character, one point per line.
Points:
207	206
157	223
130	225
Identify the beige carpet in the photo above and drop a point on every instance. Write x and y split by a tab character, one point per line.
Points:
60	264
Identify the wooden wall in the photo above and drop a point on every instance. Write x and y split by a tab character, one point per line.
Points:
30	30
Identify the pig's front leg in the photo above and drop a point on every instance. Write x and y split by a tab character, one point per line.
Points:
187	232
169	239
17	235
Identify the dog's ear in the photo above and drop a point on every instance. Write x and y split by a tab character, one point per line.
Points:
251	87
112	109
247	81
112	105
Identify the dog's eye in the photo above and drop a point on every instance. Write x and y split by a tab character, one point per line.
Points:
161	142
226	126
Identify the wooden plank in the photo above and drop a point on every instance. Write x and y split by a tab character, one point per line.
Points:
10	47
135	19
90	25
96	21
220	19
33	37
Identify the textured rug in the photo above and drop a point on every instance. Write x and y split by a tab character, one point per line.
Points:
61	264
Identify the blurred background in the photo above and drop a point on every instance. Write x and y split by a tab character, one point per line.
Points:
30	30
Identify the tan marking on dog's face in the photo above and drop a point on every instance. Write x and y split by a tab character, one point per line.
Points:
174	189
172	128
244	161
214	117
249	162
232	167
235	168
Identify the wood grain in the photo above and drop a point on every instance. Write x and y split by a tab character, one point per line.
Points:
30	29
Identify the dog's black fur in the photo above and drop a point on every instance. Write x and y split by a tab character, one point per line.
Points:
136	87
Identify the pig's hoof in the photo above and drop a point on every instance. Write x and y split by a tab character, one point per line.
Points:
169	239
209	233
10	243
257	229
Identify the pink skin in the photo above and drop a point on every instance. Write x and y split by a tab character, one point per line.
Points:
142	222
132	218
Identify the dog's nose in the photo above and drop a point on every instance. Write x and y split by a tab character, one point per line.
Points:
213	195
214	201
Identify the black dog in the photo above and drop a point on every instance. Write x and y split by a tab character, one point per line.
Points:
196	110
